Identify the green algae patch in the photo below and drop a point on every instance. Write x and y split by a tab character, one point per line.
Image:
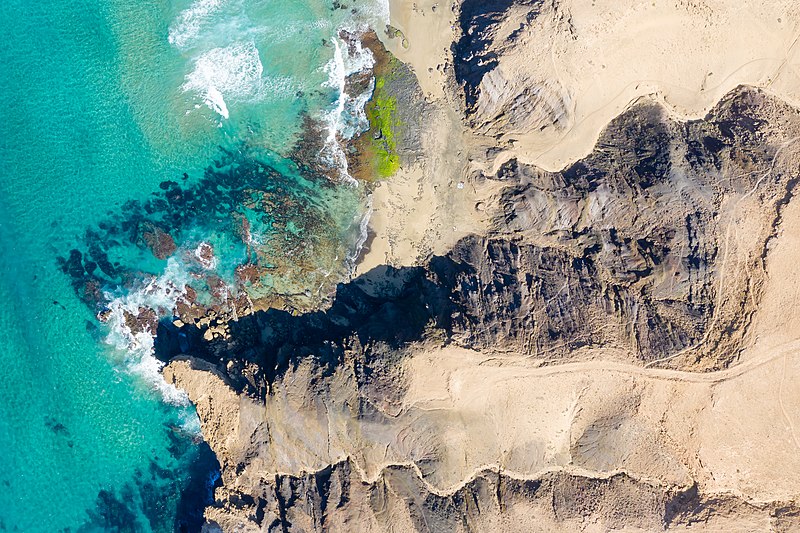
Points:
395	112
383	123
376	154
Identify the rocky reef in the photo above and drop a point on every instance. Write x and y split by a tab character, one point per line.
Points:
243	236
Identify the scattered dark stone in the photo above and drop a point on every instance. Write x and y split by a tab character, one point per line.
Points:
160	242
56	427
73	266
145	321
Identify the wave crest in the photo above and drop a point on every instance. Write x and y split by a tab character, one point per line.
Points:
347	118
233	72
159	294
186	28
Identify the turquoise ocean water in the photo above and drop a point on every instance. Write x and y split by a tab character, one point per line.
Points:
132	135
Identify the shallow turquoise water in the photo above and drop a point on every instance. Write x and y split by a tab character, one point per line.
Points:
102	103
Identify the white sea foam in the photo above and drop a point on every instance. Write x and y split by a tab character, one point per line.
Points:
216	102
188	25
378	15
190	422
336	79
355	116
347	118
363	234
160	294
202	253
233	73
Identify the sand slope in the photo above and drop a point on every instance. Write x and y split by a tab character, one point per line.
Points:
565	72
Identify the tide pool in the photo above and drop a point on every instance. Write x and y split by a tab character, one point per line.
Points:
164	139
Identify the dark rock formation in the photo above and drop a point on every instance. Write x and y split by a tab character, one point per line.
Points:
472	53
646	223
621	250
380	311
333	498
629	249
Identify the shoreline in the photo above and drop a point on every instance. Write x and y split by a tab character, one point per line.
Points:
504	314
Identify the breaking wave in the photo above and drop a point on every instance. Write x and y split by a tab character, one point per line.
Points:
159	295
234	72
347	118
363	234
188	25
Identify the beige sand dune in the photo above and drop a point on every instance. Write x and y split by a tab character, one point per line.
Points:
593	58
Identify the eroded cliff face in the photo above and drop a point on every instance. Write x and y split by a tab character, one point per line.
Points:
542	376
499	102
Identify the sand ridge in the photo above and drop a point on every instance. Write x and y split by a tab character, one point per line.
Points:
597	58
